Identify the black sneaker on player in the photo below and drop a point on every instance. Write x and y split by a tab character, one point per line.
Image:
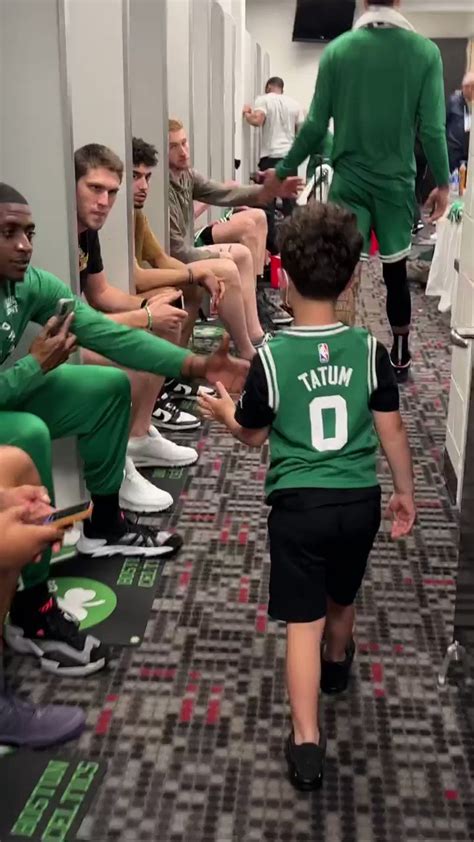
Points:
401	369
335	674
46	631
177	390
400	357
128	539
167	416
272	311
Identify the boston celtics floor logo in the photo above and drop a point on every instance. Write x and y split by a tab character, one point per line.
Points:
91	602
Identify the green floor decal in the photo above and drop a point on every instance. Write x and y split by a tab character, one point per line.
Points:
112	597
171	480
45	797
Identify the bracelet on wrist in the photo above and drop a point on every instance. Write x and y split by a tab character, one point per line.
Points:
149	316
190	276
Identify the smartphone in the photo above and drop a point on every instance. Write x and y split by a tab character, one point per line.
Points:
64	518
64	307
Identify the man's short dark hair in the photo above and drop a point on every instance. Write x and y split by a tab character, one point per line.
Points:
383	3
144	153
10	196
320	247
94	155
276	82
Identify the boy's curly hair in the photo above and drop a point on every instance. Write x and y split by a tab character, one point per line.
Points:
320	247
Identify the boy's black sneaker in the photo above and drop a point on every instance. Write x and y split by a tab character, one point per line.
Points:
54	637
305	763
335	674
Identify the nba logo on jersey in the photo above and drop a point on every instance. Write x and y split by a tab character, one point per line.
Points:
323	352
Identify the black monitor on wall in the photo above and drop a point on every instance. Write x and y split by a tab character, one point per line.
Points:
322	20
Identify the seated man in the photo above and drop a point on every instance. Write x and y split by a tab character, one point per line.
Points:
247	226
156	271
98	178
24	505
187	186
42	399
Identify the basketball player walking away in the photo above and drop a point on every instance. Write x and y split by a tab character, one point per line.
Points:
382	84
324	394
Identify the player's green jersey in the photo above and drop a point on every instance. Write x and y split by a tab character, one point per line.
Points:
320	381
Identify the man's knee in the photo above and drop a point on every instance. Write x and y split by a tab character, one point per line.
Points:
260	219
248	230
241	253
16	467
112	383
33	434
226	268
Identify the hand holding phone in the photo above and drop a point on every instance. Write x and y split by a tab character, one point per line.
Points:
64	309
55	343
65	518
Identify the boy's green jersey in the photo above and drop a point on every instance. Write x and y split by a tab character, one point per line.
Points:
320	383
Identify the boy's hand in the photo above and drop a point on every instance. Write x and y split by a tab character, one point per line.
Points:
229	371
220	409
403	513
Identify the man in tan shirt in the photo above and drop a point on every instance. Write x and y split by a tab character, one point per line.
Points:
216	274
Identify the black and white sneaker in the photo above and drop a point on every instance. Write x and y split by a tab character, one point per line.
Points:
167	416
135	539
277	315
54	637
177	390
259	343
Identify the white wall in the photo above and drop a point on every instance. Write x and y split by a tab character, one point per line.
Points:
101	112
149	103
270	22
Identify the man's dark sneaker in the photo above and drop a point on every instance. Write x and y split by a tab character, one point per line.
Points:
177	390
167	416
31	726
335	674
54	637
129	539
401	370
305	763
272	311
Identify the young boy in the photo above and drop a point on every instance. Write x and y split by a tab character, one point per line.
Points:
322	392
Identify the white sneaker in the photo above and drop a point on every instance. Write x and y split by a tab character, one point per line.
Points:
139	495
154	449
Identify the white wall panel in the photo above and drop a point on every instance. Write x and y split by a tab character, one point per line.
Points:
98	70
149	99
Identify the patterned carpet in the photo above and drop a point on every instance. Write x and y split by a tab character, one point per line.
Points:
192	723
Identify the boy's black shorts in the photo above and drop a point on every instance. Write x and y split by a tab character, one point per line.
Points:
319	550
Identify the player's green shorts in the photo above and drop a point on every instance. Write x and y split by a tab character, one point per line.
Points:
201	237
392	223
